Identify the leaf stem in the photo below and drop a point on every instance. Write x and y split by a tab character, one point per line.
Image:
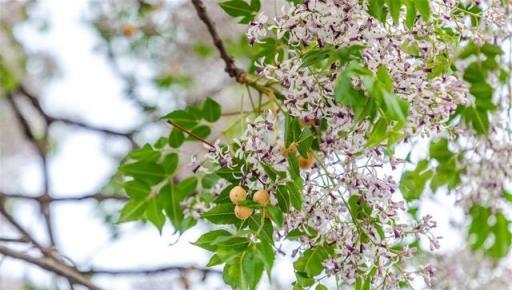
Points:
179	127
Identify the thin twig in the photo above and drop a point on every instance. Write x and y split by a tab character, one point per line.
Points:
93	196
174	124
51	265
51	119
235	72
22	230
150	271
21	240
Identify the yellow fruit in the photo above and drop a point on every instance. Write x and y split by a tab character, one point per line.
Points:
283	151
292	149
306	163
237	194
243	212
261	197
129	30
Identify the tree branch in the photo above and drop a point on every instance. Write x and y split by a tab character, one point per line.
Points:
93	196
34	100
51	265
150	271
176	125
235	72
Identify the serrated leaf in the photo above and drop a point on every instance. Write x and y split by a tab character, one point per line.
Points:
222	214
206	241
136	189
154	214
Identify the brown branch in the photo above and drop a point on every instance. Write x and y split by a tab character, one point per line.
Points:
93	196
34	100
25	234
235	72
150	271
21	240
51	265
181	128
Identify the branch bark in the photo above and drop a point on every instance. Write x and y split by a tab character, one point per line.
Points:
93	196
235	72
52	266
150	271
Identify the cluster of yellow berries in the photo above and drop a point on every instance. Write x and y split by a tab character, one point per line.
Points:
304	163
261	197
238	194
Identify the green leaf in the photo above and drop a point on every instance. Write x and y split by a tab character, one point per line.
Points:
440	151
491	50
277	215
236	8
202	131
267	255
211	109
304	142
266	231
412	183
410	17
239	8
172	205
283	198
311	261
222	214
252	268
132	210
176	138
187	186
148	171
423	7
170	163
214	261
146	153
474	73
377	9
136	189
292	130
369	278
481	231
394	9
182	118
321	287
295	191
154	214
233	273
316	55
171	200
207	240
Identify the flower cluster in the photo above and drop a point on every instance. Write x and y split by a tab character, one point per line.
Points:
410	60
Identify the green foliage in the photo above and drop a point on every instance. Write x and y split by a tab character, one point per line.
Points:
309	265
440	169
413	182
476	74
240	8
489	232
376	100
379	9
